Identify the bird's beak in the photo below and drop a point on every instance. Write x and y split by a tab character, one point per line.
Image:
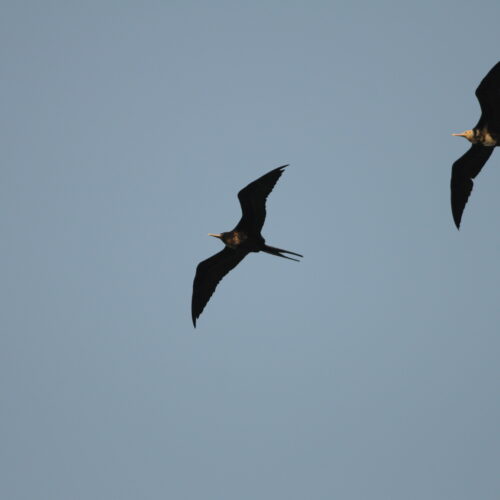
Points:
459	135
215	235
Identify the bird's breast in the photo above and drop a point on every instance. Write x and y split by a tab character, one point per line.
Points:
489	140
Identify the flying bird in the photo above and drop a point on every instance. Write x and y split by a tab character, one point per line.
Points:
239	242
484	137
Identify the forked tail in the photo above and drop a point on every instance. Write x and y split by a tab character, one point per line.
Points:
279	252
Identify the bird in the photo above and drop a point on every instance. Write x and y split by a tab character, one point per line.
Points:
485	136
244	238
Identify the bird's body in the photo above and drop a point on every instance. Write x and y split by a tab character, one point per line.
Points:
244	238
485	136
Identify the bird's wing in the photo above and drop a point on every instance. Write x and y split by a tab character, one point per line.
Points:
209	273
462	173
488	95
253	199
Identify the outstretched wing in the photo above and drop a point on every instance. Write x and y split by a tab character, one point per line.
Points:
488	95
462	173
208	274
253	200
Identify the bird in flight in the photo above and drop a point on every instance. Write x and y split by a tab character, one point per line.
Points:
484	137
239	242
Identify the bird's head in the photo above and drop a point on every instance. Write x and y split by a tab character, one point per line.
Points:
468	134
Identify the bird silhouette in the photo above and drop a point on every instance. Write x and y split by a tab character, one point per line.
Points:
244	238
484	137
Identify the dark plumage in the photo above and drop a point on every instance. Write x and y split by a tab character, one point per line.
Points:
242	240
484	137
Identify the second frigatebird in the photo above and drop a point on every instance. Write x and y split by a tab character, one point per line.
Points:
239	242
484	137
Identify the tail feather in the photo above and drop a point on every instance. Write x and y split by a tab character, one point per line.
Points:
279	252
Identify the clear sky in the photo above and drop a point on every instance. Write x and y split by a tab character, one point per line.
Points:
367	371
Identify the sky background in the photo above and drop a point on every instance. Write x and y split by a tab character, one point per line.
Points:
367	371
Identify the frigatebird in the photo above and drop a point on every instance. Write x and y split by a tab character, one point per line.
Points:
239	242
484	137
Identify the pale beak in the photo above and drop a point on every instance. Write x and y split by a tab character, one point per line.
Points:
460	135
215	235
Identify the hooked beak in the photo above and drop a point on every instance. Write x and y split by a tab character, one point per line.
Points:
215	235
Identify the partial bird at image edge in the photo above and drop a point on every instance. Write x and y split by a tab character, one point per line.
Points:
485	136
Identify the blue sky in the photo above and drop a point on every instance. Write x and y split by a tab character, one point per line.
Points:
368	370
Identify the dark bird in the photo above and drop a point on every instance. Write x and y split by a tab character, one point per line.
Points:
242	240
484	137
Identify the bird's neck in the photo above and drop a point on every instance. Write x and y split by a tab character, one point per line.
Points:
485	137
